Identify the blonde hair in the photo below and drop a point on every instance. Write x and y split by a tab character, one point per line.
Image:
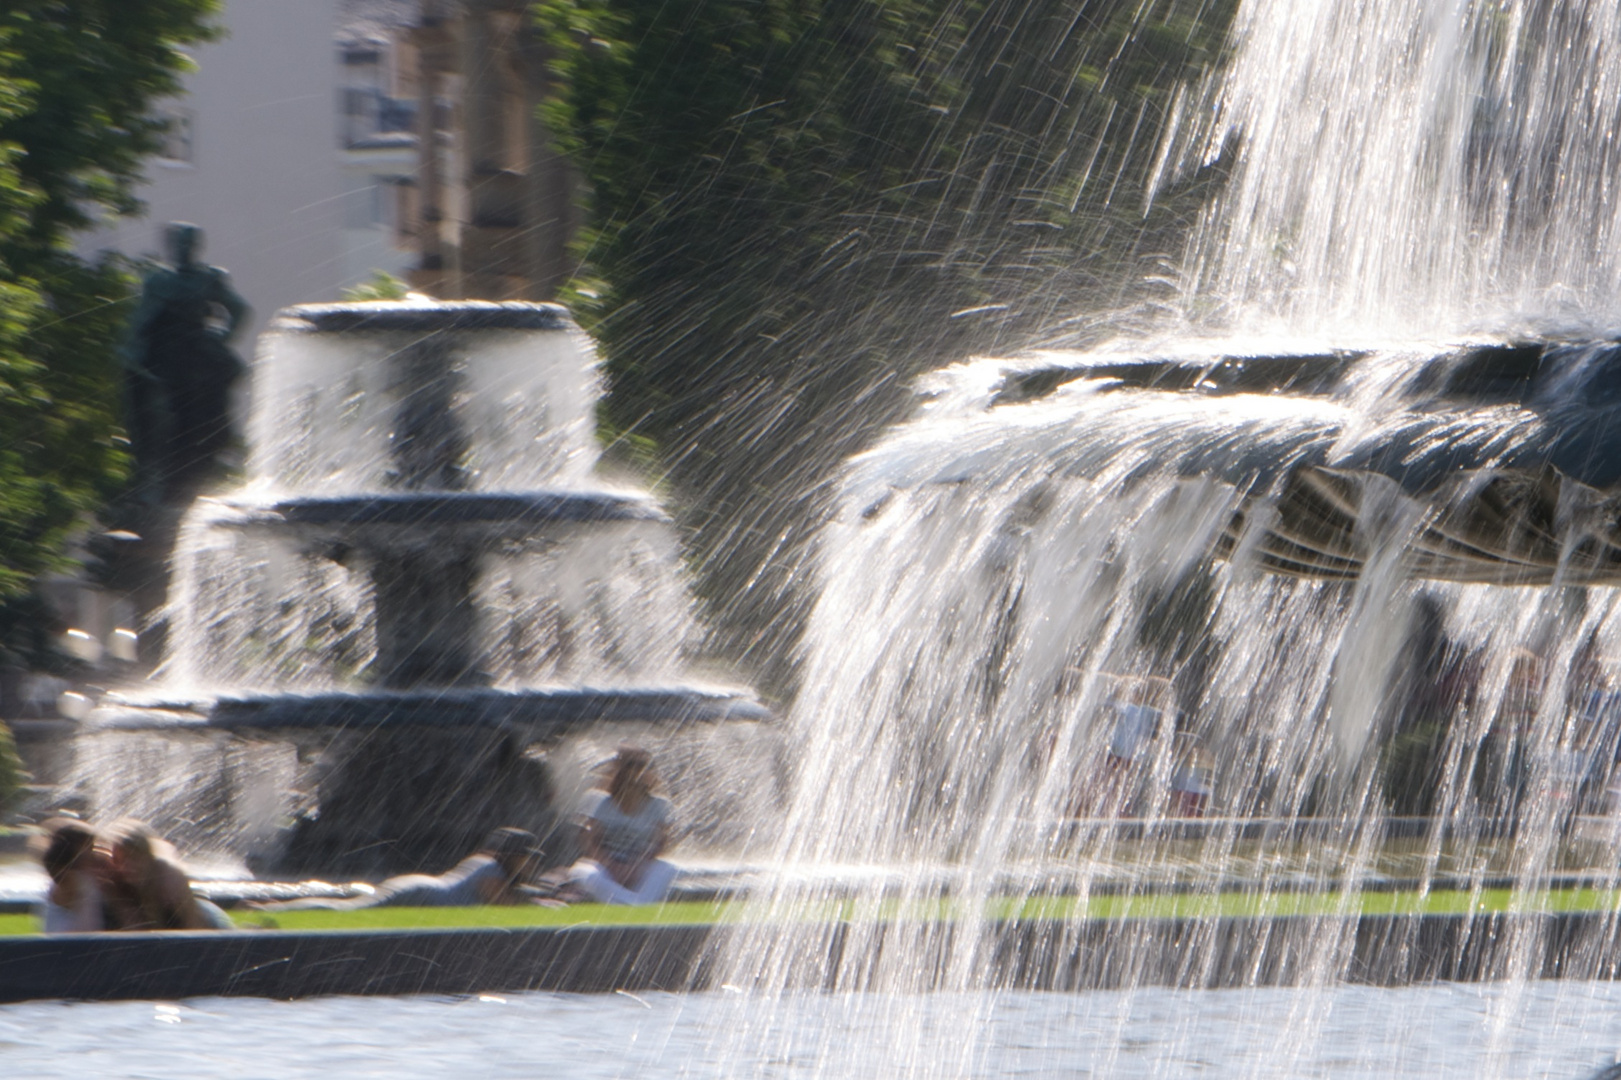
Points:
137	838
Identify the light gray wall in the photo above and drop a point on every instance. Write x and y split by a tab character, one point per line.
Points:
264	181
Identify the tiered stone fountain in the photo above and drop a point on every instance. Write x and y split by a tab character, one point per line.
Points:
420	589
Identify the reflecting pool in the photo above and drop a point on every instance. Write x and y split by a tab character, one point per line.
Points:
1544	1029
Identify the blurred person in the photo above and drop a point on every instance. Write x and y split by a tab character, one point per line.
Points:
1502	767
497	873
624	828
1192	783
1595	708
148	889
1140	707
75	903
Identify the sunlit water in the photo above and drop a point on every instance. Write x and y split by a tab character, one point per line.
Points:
994	576
1002	580
1414	165
1554	1030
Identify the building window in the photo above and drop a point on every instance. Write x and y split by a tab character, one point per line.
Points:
405	211
179	145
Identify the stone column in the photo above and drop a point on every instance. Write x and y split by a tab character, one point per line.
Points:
552	215
435	50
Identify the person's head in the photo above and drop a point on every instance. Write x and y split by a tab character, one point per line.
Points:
185	242
1527	673
134	848
69	846
630	776
517	850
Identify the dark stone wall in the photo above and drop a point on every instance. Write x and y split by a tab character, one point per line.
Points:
1036	955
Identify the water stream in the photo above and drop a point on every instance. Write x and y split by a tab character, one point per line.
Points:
1415	165
1035	617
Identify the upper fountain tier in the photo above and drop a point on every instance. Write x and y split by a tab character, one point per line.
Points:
1489	461
359	399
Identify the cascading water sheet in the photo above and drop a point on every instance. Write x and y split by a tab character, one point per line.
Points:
423	613
1001	581
1005	582
1419	166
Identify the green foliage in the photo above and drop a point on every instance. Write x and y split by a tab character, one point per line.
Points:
12	775
79	80
380	286
795	205
90	72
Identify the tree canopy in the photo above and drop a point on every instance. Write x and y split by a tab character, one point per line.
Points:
79	82
796	205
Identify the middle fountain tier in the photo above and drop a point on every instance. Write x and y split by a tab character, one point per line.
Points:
422	588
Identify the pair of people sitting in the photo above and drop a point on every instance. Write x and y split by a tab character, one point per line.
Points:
132	881
128	879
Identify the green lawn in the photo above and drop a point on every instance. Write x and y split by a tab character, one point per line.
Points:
1230	905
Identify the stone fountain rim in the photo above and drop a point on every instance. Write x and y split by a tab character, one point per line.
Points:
439	508
416	316
539	710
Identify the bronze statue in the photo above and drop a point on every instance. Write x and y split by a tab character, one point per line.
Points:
179	368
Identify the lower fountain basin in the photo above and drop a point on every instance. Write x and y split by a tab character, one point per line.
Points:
1036	954
386	782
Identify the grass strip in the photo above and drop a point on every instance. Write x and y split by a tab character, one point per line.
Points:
18	924
468	918
1054	908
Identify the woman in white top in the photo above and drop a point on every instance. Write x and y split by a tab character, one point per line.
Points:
623	831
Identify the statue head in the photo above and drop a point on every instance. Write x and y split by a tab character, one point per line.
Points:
185	242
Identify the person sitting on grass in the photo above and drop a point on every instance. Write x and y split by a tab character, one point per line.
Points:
148	890
497	873
75	902
623	831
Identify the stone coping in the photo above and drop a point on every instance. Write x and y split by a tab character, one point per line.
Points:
421	317
833	956
536	711
437	509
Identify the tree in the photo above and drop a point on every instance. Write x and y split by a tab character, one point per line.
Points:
796	205
79	80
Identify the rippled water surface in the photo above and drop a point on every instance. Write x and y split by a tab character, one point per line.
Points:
1534	1030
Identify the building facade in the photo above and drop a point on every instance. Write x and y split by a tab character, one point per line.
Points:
322	141
250	159
495	201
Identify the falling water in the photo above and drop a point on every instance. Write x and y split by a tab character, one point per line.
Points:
261	604
1006	580
1417	165
423	573
1003	579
